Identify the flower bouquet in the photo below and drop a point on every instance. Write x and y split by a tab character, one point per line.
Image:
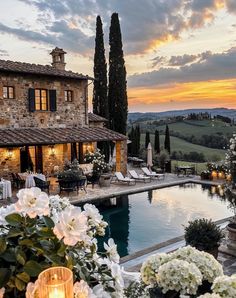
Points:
38	232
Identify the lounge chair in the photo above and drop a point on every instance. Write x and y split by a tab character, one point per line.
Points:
152	174
119	176
138	177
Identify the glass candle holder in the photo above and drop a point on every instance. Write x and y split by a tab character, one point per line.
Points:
56	282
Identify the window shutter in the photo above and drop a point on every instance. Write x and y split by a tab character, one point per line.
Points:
53	100
31	99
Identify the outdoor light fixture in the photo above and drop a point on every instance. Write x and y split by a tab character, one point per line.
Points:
56	282
9	153
52	150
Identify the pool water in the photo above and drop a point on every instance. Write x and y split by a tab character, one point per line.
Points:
144	219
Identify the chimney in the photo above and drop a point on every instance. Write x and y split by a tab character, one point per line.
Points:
58	58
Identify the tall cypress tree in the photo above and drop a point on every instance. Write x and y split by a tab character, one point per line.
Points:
167	147
117	93
167	139
147	139
157	142
137	136
100	99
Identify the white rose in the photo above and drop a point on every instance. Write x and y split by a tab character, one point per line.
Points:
111	249
82	290
33	202
72	226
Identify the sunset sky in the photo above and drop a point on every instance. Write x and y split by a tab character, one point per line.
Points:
179	53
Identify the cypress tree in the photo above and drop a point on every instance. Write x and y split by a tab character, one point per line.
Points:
167	147
157	142
100	100
117	93
147	139
137	139
167	139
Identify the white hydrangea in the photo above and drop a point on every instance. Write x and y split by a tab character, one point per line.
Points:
72	226
179	276
205	262
57	204
111	250
208	295
99	292
151	266
33	202
225	286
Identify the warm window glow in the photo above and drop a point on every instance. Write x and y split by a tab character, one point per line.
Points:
8	92
68	95
41	100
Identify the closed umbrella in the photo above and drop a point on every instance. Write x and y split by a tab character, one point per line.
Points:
149	155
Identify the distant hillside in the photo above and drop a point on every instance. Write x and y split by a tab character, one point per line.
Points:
231	113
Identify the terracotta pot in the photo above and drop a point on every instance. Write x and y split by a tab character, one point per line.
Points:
231	241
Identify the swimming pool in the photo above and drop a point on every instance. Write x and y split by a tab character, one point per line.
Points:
144	219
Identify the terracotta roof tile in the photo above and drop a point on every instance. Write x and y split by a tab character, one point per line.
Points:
37	136
21	67
96	118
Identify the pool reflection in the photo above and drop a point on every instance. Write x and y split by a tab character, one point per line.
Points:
141	220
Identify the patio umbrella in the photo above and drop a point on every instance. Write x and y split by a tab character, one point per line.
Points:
149	155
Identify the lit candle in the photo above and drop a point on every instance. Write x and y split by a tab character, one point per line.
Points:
55	293
56	282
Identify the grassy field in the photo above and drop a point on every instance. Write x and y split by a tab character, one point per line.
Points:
178	144
196	128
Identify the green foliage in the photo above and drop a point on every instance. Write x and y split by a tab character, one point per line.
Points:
97	159
117	90
100	100
71	171
162	158
167	139
157	142
134	137
203	234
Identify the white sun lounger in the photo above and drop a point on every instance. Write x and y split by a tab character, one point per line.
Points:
151	174
138	177
119	176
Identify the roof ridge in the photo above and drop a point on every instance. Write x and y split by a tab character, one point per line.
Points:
44	69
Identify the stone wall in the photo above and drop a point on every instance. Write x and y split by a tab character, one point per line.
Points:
121	156
14	113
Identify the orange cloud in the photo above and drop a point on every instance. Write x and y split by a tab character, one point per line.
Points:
206	94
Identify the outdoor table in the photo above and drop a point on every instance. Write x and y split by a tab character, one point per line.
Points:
29	178
5	185
186	170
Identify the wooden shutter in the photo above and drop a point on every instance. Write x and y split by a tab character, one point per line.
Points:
53	100
31	99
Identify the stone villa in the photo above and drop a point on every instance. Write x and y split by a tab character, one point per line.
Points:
44	117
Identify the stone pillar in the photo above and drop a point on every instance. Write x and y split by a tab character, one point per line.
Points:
121	156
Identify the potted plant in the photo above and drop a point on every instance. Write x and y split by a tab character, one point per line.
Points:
100	168
204	235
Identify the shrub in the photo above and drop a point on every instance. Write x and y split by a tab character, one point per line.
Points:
203	234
